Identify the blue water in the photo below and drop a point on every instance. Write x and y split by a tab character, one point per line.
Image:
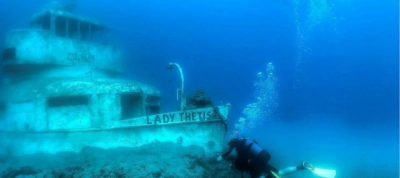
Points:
336	61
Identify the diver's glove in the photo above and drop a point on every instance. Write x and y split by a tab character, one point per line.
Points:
219	158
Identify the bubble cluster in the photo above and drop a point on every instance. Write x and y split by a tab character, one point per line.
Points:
319	14
264	108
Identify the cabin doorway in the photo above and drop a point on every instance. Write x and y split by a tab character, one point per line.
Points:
131	105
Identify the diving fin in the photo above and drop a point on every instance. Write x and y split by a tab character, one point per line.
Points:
325	173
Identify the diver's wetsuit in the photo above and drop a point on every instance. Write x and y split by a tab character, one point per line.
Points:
250	157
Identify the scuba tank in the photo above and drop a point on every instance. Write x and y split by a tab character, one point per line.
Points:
253	148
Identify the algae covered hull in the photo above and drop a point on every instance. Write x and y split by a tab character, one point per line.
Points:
200	127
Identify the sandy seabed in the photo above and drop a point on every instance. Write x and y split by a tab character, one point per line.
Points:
156	160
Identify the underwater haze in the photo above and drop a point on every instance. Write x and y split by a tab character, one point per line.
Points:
329	87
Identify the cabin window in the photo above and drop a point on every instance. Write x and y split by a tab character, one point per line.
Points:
42	22
67	101
73	29
61	23
85	31
8	54
152	105
46	21
131	105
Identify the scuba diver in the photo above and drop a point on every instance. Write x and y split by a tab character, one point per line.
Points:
254	159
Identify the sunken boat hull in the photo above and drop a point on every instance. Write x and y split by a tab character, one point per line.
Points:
201	127
63	92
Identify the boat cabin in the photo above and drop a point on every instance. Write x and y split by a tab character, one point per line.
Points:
67	25
59	104
61	44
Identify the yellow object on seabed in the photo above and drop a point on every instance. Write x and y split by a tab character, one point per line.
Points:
275	174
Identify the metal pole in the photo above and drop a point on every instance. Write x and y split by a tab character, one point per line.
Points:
183	99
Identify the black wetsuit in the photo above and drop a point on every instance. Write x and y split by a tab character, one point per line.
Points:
255	161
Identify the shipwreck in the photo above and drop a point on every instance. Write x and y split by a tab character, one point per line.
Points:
63	91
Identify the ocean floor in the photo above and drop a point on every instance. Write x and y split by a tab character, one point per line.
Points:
157	160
